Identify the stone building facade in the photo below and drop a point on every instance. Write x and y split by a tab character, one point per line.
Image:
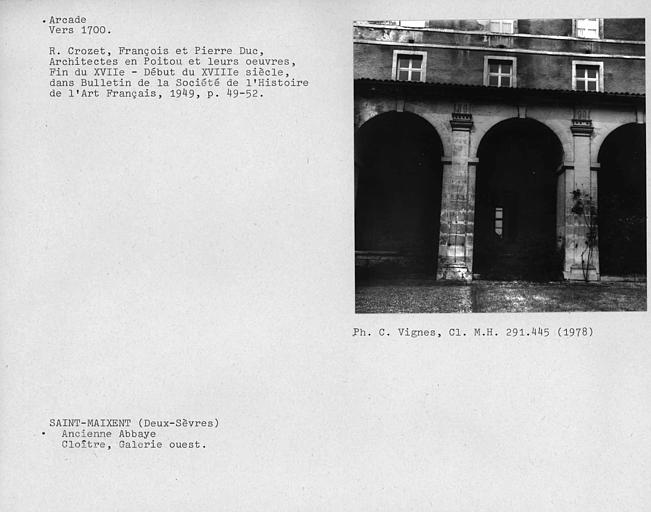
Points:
500	149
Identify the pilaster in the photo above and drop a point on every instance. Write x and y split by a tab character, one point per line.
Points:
580	200
457	201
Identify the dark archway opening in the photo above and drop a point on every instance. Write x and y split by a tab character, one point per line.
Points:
622	202
515	208
398	195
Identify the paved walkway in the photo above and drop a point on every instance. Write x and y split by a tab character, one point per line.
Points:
424	295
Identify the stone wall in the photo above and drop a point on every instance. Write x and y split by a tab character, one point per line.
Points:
462	119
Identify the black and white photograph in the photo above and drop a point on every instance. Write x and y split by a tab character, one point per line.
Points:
303	256
500	165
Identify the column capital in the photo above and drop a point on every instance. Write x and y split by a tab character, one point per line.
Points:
582	127
461	121
581	121
461	117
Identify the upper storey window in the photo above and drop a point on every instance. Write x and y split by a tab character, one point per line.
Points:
500	71
587	28
409	66
412	23
587	76
501	26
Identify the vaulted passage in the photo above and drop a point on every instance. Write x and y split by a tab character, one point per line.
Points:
622	202
398	195
515	209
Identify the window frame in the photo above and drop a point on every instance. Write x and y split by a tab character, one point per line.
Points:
600	28
413	23
498	221
513	23
588	63
395	70
514	69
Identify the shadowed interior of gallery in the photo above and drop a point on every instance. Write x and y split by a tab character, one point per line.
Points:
398	194
622	202
515	209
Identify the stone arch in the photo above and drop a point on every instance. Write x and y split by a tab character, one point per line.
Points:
441	123
398	172
621	201
560	128
516	217
602	135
